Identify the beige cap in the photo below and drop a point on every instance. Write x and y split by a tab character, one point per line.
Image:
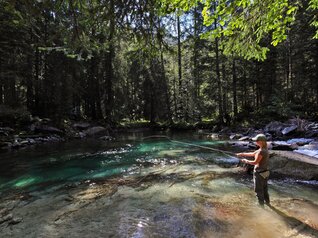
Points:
259	137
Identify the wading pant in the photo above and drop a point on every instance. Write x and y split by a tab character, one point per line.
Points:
260	188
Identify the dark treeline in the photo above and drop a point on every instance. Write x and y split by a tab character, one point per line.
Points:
132	60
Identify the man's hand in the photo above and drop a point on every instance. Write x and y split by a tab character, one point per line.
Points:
239	154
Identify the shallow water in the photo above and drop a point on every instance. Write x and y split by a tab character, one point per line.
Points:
147	188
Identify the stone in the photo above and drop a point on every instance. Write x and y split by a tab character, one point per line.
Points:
31	141
252	146
299	141
225	130
96	131
6	131
24	142
283	145
235	136
5	218
14	221
312	153
106	138
213	136
312	133
4	211
80	135
81	125
46	129
274	127
290	129
240	143
15	145
244	138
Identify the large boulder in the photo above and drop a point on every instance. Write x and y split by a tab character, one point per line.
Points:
289	129
96	131
235	136
244	138
46	129
81	125
275	127
282	165
283	145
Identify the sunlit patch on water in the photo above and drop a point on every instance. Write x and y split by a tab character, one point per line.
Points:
23	182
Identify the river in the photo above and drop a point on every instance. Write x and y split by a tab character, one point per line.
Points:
141	186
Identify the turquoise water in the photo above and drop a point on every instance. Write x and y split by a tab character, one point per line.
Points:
77	161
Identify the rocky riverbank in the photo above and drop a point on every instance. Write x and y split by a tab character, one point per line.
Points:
39	131
297	135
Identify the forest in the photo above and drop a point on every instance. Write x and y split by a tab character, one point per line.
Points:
114	61
159	118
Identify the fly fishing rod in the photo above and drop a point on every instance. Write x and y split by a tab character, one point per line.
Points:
229	153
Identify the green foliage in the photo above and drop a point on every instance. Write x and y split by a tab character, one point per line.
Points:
243	24
86	59
313	6
127	123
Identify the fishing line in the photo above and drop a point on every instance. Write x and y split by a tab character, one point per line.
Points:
228	153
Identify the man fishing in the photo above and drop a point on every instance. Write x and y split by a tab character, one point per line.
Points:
261	173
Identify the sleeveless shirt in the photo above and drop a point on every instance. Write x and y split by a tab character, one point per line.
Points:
263	164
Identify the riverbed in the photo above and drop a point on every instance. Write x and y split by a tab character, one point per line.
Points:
146	186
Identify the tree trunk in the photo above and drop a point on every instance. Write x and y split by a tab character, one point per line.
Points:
234	88
92	89
29	84
165	83
218	77
195	66
175	96
109	55
258	86
1	81
179	68
316	74
36	80
288	67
